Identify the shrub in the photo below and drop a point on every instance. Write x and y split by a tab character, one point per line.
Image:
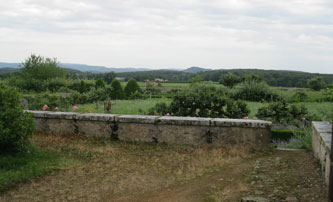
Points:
316	83
15	125
100	83
117	91
301	140
54	84
254	91
131	87
229	80
159	109
206	101
329	94
299	97
250	78
62	100
283	113
99	94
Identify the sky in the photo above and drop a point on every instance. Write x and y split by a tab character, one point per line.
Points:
216	34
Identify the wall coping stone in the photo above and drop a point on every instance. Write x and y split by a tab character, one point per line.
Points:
96	117
137	119
162	120
179	120
245	123
322	126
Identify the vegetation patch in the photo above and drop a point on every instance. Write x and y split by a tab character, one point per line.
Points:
24	166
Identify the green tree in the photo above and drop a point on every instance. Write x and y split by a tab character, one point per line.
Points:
316	83
82	87
40	68
15	125
131	87
117	91
196	79
36	70
108	77
100	83
229	80
253	78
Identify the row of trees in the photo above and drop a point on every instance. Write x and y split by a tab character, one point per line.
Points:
230	80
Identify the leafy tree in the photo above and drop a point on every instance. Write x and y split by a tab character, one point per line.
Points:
117	91
36	70
100	83
82	87
131	87
108	77
196	79
255	91
229	80
40	68
316	83
250	78
15	125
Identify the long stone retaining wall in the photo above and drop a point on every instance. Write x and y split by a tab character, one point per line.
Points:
321	145
249	134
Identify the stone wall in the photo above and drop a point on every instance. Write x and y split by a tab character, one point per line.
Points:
321	145
249	134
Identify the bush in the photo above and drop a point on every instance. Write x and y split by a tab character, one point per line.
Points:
299	97
15	125
159	109
63	101
206	101
301	140
283	113
131	87
229	80
117	91
256	91
316	83
329	94
54	84
99	94
100	83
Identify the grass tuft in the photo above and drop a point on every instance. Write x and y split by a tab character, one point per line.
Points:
21	167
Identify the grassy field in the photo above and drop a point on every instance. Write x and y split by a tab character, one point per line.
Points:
321	109
124	106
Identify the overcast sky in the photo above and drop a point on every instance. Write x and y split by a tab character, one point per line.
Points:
281	34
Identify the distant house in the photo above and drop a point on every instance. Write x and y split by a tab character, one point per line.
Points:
120	78
160	80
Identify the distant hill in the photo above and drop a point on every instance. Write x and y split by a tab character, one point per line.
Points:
11	65
196	69
8	70
80	67
99	69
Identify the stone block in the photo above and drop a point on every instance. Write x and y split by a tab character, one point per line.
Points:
96	117
184	121
137	119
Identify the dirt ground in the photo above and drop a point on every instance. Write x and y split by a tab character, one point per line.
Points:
130	172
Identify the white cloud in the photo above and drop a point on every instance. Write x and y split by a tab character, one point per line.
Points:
289	34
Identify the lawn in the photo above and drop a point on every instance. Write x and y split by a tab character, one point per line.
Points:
124	106
21	167
321	109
